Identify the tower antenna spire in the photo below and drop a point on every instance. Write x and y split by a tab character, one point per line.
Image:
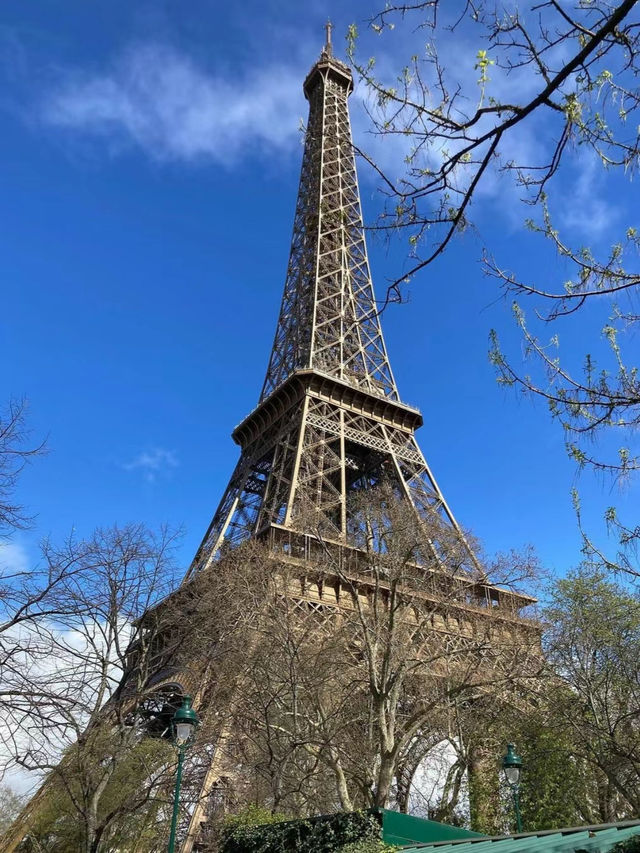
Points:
328	49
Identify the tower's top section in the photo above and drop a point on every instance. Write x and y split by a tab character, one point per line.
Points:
328	64
329	319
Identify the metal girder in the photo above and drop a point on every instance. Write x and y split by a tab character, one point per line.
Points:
329	420
328	317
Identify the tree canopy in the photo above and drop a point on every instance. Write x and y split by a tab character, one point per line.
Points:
532	99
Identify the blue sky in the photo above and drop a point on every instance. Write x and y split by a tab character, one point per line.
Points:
150	155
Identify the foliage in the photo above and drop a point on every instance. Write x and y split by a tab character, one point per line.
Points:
593	644
630	845
558	788
56	826
250	816
367	846
10	805
576	725
551	100
353	831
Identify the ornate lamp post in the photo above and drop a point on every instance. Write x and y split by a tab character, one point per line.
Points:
512	765
183	731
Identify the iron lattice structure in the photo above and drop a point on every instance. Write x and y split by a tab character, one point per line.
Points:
329	421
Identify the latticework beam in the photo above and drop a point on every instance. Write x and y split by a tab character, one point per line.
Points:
329	421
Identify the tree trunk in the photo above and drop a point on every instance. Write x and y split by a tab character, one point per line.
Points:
94	832
341	784
385	780
97	837
90	831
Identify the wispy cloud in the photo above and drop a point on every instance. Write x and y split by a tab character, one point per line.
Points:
153	463
458	54
158	99
589	214
13	558
161	101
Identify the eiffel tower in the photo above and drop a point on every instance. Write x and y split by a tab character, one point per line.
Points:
329	421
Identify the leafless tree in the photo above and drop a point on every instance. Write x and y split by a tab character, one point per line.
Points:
11	804
355	657
15	452
25	592
70	714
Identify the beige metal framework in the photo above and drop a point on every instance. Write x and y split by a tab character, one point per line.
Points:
329	421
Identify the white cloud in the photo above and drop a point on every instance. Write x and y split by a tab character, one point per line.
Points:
458	54
153	462
165	104
158	99
587	211
67	666
161	101
13	558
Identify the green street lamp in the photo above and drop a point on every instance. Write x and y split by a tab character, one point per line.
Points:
512	765
184	723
